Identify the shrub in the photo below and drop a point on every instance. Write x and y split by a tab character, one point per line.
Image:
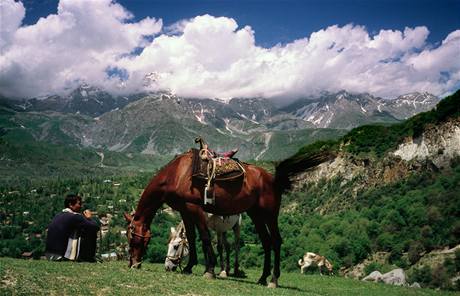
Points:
373	266
415	250
457	260
449	265
421	275
440	278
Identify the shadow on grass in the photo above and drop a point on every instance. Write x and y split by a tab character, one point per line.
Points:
247	281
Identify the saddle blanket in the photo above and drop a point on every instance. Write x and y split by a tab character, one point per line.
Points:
226	168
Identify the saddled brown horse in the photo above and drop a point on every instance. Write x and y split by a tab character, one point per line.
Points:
257	193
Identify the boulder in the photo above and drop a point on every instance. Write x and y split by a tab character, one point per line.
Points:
374	276
395	277
415	285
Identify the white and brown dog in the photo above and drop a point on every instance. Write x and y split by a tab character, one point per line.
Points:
310	259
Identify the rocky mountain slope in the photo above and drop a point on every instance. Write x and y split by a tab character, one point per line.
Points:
391	189
371	156
342	110
86	99
164	124
433	150
347	110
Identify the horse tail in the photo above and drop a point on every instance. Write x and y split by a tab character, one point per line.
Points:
288	168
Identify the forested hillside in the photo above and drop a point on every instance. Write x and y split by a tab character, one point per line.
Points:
34	146
367	196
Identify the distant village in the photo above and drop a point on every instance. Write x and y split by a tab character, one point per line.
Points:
24	226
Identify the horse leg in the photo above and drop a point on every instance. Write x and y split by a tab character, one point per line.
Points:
236	232
209	256
199	216
193	214
227	253
276	242
191	237
220	252
264	236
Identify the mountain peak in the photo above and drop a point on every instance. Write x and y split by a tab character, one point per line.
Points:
345	109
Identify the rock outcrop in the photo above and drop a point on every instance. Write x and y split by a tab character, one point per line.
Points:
434	150
395	277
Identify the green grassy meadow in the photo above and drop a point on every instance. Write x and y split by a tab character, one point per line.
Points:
40	277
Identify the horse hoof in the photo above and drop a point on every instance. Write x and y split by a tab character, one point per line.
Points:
209	275
223	274
273	285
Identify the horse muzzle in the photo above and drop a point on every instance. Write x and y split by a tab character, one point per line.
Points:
133	264
170	265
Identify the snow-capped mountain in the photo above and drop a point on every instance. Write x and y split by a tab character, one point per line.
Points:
162	123
85	99
408	105
348	110
342	110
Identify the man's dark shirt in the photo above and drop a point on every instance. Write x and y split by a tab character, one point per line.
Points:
63	226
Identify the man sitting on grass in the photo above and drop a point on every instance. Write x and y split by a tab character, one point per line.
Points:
71	235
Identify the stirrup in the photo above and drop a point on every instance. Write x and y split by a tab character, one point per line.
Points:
207	200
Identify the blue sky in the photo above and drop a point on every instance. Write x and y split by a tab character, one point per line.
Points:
281	21
222	48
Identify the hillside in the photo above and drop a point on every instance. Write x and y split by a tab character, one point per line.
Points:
381	189
45	145
27	277
427	142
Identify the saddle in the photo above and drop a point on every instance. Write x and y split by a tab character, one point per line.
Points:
225	169
210	168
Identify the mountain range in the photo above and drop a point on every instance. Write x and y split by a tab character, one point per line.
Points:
164	124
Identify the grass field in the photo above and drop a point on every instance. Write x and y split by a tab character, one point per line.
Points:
39	277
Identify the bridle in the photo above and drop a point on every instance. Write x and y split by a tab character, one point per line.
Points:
177	259
132	233
145	240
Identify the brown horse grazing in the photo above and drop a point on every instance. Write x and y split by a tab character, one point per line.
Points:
257	193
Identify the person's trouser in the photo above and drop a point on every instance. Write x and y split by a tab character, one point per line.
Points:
88	244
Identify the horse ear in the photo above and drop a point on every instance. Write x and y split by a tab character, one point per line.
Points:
128	217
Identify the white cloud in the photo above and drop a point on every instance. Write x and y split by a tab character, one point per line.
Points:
12	14
209	56
60	51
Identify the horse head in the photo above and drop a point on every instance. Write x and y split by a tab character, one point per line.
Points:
138	238
177	248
